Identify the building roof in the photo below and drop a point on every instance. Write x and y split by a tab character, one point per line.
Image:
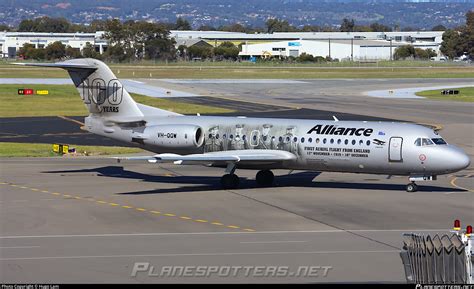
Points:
190	42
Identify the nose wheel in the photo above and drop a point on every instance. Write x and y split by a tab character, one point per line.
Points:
265	178
412	187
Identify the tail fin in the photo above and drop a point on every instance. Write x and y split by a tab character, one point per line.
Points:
102	93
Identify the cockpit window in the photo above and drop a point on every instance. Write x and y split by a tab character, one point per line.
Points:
428	142
439	141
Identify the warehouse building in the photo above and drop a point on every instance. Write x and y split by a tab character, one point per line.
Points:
354	49
341	45
11	42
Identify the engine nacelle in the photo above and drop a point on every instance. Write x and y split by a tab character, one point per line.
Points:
174	136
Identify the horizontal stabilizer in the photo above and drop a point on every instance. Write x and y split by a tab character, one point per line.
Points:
67	66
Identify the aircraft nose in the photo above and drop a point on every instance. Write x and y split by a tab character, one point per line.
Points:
458	159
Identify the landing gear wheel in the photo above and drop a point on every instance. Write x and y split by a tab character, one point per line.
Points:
230	181
412	187
265	178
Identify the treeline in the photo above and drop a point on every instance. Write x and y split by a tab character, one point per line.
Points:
62	25
136	40
133	40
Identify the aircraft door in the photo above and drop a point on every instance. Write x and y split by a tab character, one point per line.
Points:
395	149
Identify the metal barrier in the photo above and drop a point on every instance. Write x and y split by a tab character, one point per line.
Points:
445	259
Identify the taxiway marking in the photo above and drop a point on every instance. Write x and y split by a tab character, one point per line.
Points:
144	210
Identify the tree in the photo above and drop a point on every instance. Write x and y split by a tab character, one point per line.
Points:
459	41
73	52
304	57
206	28
452	43
439	28
376	27
5	27
45	24
89	51
182	24
202	52
347	25
182	52
27	51
138	40
467	36
55	50
403	52
227	50
276	25
236	27
311	28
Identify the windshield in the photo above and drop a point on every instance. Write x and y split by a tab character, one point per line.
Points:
427	142
439	141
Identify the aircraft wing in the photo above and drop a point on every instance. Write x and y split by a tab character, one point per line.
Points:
216	158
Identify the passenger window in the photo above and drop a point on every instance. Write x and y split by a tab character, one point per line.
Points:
254	137
339	141
324	141
332	141
217	136
418	142
280	139
224	136
361	142
302	140
353	142
231	136
310	140
317	140
295	139
346	142
368	142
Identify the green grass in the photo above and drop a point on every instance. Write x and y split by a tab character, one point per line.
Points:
466	94
65	100
12	149
226	70
270	63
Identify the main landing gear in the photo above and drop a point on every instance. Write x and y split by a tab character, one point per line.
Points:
265	178
230	180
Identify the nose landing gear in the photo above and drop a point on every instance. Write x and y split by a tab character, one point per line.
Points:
412	187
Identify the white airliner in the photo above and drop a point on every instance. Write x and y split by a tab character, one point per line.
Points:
259	143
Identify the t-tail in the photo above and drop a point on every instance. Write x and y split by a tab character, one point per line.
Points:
101	91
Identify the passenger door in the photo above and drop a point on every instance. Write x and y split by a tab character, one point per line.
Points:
395	149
